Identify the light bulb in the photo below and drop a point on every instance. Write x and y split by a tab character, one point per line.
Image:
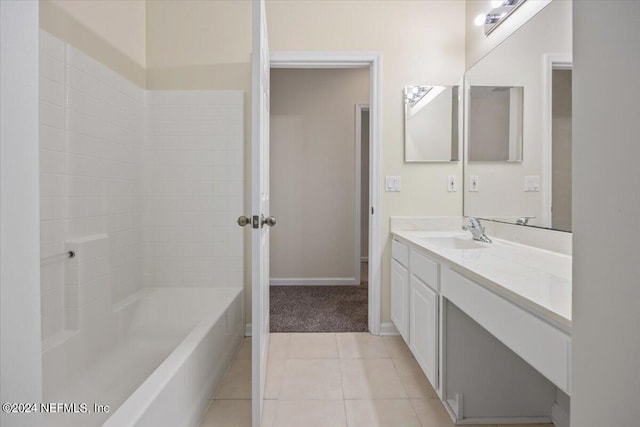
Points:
479	20
496	3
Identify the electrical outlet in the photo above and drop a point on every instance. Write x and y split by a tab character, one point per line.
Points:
474	183
531	184
452	184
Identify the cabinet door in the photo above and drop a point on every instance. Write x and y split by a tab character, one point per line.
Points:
400	298
423	328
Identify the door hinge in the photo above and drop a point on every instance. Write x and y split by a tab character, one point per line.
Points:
371	210
255	221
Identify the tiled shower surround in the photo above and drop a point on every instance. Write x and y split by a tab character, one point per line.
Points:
193	188
155	177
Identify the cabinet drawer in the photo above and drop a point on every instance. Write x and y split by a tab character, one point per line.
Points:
425	269
400	252
541	345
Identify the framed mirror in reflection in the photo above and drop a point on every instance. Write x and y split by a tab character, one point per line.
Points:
517	138
495	123
431	123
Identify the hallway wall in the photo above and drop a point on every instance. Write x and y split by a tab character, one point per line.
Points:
313	178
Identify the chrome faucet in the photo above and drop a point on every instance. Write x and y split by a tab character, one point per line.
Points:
477	230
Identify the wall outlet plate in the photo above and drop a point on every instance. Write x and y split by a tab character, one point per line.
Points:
474	183
392	183
452	184
531	183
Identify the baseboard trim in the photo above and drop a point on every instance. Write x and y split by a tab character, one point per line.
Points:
247	330
315	281
388	328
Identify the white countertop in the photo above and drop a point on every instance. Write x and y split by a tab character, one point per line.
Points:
536	279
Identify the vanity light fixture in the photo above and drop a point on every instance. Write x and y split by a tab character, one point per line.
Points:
413	94
501	11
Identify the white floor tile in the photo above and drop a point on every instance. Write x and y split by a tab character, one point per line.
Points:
310	413
313	346
311	379
361	346
381	413
370	379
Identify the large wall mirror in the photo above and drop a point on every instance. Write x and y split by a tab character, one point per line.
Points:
518	125
432	123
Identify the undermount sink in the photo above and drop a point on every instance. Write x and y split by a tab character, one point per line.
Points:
454	242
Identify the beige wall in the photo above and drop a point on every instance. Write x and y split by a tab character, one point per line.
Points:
112	32
477	45
312	172
192	45
198	44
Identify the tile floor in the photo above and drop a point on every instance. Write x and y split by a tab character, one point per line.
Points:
331	380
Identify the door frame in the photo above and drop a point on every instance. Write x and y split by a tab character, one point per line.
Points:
372	61
550	62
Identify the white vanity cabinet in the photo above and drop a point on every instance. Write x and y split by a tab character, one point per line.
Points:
423	328
423	313
414	305
400	288
492	354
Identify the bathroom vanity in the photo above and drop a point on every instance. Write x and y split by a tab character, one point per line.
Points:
489	324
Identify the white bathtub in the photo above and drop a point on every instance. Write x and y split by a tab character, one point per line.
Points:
155	359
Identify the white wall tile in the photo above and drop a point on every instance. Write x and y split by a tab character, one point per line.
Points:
52	69
52	138
52	92
52	115
191	202
159	171
52	46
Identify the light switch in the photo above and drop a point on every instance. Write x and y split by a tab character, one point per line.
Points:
474	183
392	183
452	184
531	183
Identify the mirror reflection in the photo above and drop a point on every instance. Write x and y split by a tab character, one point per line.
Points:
518	126
431	125
495	123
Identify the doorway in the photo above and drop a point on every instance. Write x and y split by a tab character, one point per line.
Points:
337	61
561	149
316	189
557	142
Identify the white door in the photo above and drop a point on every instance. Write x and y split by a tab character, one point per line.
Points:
259	208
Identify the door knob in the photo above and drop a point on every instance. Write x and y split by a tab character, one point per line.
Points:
243	220
270	221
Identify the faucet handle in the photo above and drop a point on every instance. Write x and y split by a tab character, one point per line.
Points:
475	223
